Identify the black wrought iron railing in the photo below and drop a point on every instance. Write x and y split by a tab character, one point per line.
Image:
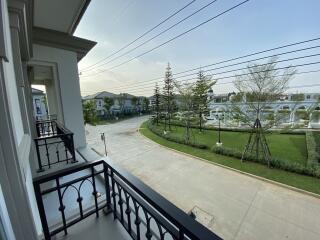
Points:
46	128
143	213
54	144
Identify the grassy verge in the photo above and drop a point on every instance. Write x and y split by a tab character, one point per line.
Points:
307	183
289	147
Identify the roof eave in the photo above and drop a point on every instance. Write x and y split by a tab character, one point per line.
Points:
62	40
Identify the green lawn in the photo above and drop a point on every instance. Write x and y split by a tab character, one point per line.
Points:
296	180
288	147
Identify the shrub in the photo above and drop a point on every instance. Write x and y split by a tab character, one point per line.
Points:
313	154
179	123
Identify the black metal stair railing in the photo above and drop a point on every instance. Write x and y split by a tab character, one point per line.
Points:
54	144
143	213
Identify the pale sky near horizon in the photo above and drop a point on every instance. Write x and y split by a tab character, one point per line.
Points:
254	26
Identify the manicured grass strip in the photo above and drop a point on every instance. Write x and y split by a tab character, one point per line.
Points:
299	181
289	147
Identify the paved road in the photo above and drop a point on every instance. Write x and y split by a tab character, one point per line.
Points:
233	205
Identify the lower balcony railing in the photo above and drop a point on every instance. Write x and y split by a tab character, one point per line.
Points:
143	213
54	144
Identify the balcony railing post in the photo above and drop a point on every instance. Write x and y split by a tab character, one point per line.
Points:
113	195
40	169
95	193
181	235
61	207
107	187
37	129
47	153
42	212
72	149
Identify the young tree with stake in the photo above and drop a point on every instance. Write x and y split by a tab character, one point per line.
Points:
258	86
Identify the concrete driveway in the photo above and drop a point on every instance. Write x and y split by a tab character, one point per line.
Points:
233	205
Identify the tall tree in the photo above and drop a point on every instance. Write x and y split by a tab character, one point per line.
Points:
167	96
134	101
258	86
121	101
145	103
200	91
89	111
156	102
108	103
186	106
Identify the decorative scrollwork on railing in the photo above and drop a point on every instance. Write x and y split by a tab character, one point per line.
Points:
143	213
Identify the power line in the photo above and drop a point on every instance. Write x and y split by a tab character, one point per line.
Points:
290	87
284	60
244	56
176	37
238	75
139	37
159	34
245	74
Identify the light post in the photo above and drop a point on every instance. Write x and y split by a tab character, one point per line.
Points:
219	116
103	138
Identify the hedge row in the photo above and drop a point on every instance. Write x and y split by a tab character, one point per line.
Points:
169	137
310	170
316	136
180	124
313	147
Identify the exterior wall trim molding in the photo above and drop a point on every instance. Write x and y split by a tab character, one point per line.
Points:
20	12
3	37
62	40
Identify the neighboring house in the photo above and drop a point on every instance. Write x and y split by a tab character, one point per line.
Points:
122	103
99	99
39	104
293	110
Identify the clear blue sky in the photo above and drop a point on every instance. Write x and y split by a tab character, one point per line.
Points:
255	26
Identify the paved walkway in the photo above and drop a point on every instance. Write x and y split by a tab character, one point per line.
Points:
233	205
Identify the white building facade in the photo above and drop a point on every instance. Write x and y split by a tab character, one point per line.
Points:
36	47
304	112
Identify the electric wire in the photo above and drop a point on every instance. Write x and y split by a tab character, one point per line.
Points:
172	39
138	38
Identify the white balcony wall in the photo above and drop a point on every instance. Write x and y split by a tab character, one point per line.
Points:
69	87
15	139
11	86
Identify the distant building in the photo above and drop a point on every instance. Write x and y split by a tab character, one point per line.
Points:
294	110
125	106
39	104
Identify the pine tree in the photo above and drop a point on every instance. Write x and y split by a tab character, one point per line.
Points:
200	92
156	102
167	96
